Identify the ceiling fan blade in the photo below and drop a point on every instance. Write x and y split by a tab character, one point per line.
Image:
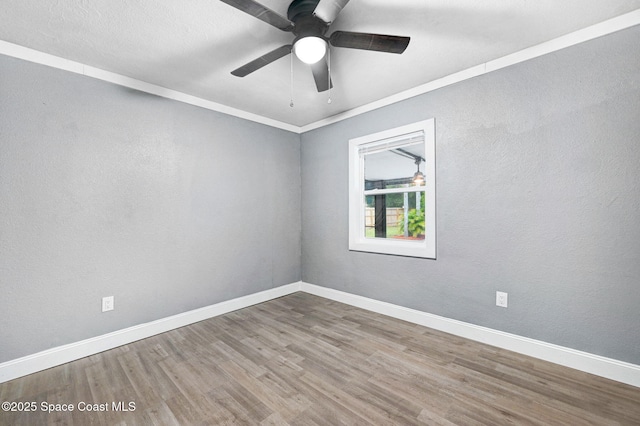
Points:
261	12
366	41
327	10
263	60
320	72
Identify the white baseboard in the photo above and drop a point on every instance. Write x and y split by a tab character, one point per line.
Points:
62	354
620	371
601	366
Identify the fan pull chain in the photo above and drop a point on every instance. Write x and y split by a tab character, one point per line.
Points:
291	102
329	71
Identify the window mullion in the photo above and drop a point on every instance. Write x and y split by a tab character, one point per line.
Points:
393	190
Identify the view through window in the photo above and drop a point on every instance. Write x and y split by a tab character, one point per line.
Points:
392	191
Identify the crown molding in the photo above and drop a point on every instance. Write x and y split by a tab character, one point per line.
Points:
589	33
609	26
31	55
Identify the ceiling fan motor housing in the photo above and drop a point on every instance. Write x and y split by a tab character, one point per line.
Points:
300	12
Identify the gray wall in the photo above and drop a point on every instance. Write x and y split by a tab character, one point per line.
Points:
169	207
108	191
538	192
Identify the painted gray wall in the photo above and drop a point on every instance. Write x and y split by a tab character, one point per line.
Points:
538	195
108	191
168	207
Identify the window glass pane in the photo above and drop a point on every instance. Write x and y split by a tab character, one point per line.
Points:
397	167
399	216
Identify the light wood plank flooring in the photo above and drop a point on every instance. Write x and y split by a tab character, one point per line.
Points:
305	360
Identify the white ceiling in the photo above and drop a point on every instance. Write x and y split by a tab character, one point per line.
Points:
192	45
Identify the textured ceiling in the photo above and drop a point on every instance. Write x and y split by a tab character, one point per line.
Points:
192	45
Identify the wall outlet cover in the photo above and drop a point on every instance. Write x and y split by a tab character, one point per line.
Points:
107	303
501	299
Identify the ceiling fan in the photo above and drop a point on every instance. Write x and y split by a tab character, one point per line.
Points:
309	21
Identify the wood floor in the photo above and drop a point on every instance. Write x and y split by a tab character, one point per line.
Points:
305	360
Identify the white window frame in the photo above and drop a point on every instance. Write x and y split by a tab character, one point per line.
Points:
414	248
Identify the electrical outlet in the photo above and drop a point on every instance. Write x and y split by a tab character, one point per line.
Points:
501	299
107	303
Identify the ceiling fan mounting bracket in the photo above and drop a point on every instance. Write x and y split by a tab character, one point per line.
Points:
307	24
300	8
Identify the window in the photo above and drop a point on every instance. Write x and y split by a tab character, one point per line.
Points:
392	191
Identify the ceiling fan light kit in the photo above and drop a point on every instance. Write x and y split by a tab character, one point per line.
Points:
309	21
310	49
